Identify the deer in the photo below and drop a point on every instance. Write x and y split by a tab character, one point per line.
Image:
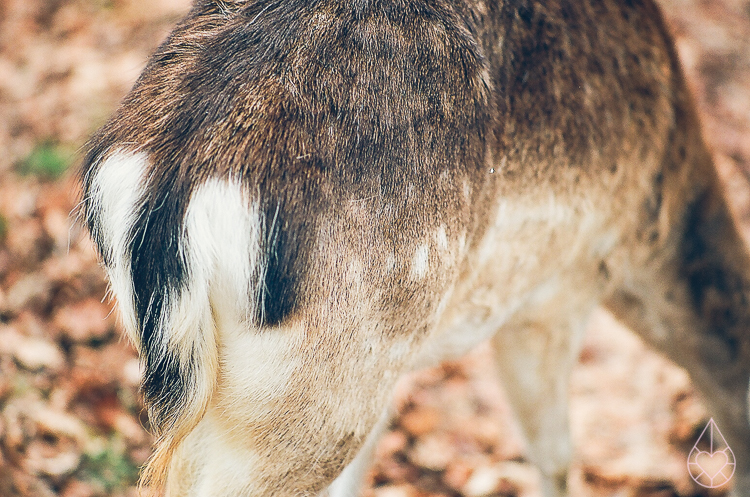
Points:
299	202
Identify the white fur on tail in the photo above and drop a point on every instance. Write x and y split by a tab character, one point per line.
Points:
115	193
220	246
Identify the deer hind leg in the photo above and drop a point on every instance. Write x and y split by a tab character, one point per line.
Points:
534	360
349	482
299	449
689	298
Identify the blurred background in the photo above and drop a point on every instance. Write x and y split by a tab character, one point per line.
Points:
71	419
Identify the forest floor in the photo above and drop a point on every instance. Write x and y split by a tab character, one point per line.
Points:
71	419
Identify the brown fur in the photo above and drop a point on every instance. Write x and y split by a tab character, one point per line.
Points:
546	153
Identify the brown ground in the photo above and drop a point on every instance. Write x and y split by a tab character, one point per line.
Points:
71	421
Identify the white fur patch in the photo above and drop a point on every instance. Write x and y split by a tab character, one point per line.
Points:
441	239
115	190
467	190
390	263
354	272
223	236
462	244
221	244
513	214
419	265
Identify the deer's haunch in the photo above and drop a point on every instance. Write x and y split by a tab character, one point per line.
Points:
299	201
